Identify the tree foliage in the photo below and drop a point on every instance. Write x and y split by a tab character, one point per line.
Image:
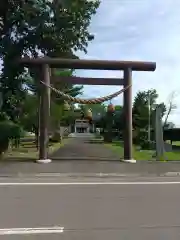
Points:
64	86
143	117
29	117
143	106
118	118
36	28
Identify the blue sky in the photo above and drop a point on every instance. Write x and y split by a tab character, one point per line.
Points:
147	30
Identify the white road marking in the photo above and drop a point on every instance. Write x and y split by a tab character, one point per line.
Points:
28	231
83	183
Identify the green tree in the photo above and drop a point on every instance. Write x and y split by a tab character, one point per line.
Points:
145	103
35	28
28	118
29	115
64	86
58	115
118	118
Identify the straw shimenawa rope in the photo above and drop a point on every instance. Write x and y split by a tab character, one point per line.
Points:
86	101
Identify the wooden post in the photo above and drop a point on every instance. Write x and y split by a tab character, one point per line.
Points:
44	116
128	115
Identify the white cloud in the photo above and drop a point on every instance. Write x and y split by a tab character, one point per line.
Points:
138	30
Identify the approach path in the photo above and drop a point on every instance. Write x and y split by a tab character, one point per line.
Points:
84	148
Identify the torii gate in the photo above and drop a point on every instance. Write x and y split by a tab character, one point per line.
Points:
126	66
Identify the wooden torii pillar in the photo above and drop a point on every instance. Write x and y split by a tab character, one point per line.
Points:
44	116
126	66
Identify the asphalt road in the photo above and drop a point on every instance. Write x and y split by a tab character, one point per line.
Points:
86	209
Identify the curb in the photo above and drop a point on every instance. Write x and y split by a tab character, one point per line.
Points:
91	159
89	175
95	159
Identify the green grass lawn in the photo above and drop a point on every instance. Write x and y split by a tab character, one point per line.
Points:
143	154
27	150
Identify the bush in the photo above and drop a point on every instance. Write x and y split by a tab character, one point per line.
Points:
56	137
139	136
4	144
108	137
147	145
135	137
9	131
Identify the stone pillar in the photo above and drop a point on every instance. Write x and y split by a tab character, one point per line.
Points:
44	116
128	116
160	146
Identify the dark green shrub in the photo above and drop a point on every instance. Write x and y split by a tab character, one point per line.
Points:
4	144
139	136
56	137
108	137
9	131
147	145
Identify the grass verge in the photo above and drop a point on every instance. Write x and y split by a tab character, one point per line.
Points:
141	154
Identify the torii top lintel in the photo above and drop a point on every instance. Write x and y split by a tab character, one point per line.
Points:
89	64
